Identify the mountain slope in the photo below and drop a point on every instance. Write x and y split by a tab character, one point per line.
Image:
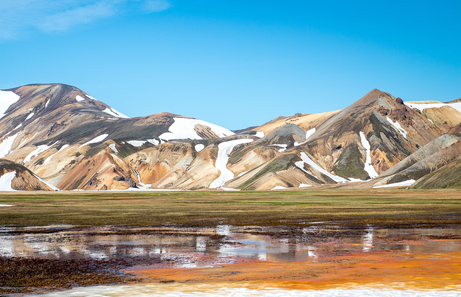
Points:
74	141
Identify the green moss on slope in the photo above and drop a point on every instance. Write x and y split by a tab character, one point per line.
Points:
350	163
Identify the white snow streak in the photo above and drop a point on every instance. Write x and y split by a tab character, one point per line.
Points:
199	147
283	147
367	166
136	143
304	186
309	133
153	141
406	183
40	149
30	116
224	150
423	106
259	134
305	159
79	98
5	181
6	205
112	147
279	188
5	146
7	98
48	184
95	140
115	113
50	157
184	129
397	127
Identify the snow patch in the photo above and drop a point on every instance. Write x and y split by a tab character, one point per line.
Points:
224	150
30	116
243	173
199	147
304	186
283	147
46	183
95	140
431	121
92	98
309	133
137	143
6	145
5	181
305	159
367	166
423	106
356	180
115	113
153	141
406	183
40	149
184	129
259	134
279	188
7	98
50	157
6	205
112	147
397	127
79	98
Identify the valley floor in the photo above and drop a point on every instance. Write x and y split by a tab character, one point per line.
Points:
258	242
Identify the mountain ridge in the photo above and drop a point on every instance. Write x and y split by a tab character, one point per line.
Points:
74	141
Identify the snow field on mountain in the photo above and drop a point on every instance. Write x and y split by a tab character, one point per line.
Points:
95	140
136	143
79	98
406	183
259	134
423	106
7	98
367	166
48	184
309	133
115	113
224	150
5	146
305	159
112	147
397	126
5	181
279	188
30	116
184	129
40	149
199	147
283	147
50	157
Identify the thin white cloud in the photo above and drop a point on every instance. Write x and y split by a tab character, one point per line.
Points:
66	19
20	16
157	5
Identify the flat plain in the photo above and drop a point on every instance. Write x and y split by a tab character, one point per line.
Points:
201	208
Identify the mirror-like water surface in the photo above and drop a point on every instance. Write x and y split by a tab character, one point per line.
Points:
264	243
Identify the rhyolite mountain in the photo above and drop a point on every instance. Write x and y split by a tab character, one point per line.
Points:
59	134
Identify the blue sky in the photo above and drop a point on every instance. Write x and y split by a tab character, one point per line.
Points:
233	63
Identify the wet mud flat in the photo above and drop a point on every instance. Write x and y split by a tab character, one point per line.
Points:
317	255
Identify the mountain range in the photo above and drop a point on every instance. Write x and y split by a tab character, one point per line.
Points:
56	136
